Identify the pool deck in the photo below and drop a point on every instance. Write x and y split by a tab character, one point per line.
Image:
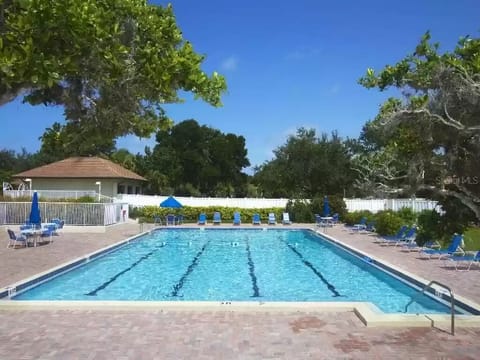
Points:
176	334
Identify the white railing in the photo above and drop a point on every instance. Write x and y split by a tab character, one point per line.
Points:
56	194
242	203
376	205
98	214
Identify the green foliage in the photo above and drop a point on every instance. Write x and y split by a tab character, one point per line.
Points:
388	222
305	166
112	64
194	160
300	211
471	239
354	217
408	215
434	131
433	226
191	214
429	227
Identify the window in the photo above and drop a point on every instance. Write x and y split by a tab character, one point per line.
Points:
129	189
121	189
137	190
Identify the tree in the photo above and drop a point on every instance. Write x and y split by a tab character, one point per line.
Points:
198	160
111	64
305	166
440	106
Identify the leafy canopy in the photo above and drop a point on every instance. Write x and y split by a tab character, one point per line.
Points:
434	130
112	64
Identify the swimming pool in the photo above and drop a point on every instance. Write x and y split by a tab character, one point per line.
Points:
233	265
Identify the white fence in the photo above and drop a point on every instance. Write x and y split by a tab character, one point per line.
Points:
99	214
376	205
56	194
373	205
242	203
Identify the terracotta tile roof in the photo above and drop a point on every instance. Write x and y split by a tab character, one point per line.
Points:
81	167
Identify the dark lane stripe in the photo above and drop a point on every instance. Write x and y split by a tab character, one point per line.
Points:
251	267
179	285
318	273
105	284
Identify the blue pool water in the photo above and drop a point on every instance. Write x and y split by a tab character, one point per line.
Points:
232	265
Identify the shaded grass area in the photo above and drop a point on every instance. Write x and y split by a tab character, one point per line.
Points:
471	239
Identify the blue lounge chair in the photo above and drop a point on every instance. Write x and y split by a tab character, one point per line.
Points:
286	219
202	219
236	218
217	218
361	226
468	260
256	219
403	236
271	219
453	248
15	240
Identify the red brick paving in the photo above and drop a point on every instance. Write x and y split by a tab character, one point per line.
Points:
155	334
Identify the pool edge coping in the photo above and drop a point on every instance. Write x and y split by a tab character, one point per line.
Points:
367	312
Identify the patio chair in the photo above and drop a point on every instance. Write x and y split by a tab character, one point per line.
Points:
399	235
157	220
217	218
48	232
453	248
271	219
170	219
467	260
236	218
14	240
256	219
335	218
413	246
202	219
286	219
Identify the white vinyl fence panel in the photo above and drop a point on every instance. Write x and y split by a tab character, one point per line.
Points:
376	205
242	203
92	214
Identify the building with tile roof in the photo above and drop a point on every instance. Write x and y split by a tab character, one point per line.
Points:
84	174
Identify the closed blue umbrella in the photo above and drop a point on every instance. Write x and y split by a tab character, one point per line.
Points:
170	202
35	211
326	207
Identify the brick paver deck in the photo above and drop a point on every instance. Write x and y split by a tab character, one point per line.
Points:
155	334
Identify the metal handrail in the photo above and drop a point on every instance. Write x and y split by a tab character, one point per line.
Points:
452	300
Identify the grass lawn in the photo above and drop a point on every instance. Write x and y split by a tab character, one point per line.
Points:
471	239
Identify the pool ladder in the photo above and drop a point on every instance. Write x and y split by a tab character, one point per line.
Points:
438	294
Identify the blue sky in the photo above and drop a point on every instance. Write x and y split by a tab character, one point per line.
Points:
287	64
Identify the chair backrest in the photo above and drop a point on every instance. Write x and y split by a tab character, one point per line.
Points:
286	217
411	233
256	218
236	215
216	216
202	218
11	234
456	242
402	231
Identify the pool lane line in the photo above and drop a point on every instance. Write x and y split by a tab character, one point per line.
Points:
112	279
318	273
179	284
251	268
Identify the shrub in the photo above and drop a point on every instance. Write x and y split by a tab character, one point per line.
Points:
190	214
388	222
354	217
408	215
300	211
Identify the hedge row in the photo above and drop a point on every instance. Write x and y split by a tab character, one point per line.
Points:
190	214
